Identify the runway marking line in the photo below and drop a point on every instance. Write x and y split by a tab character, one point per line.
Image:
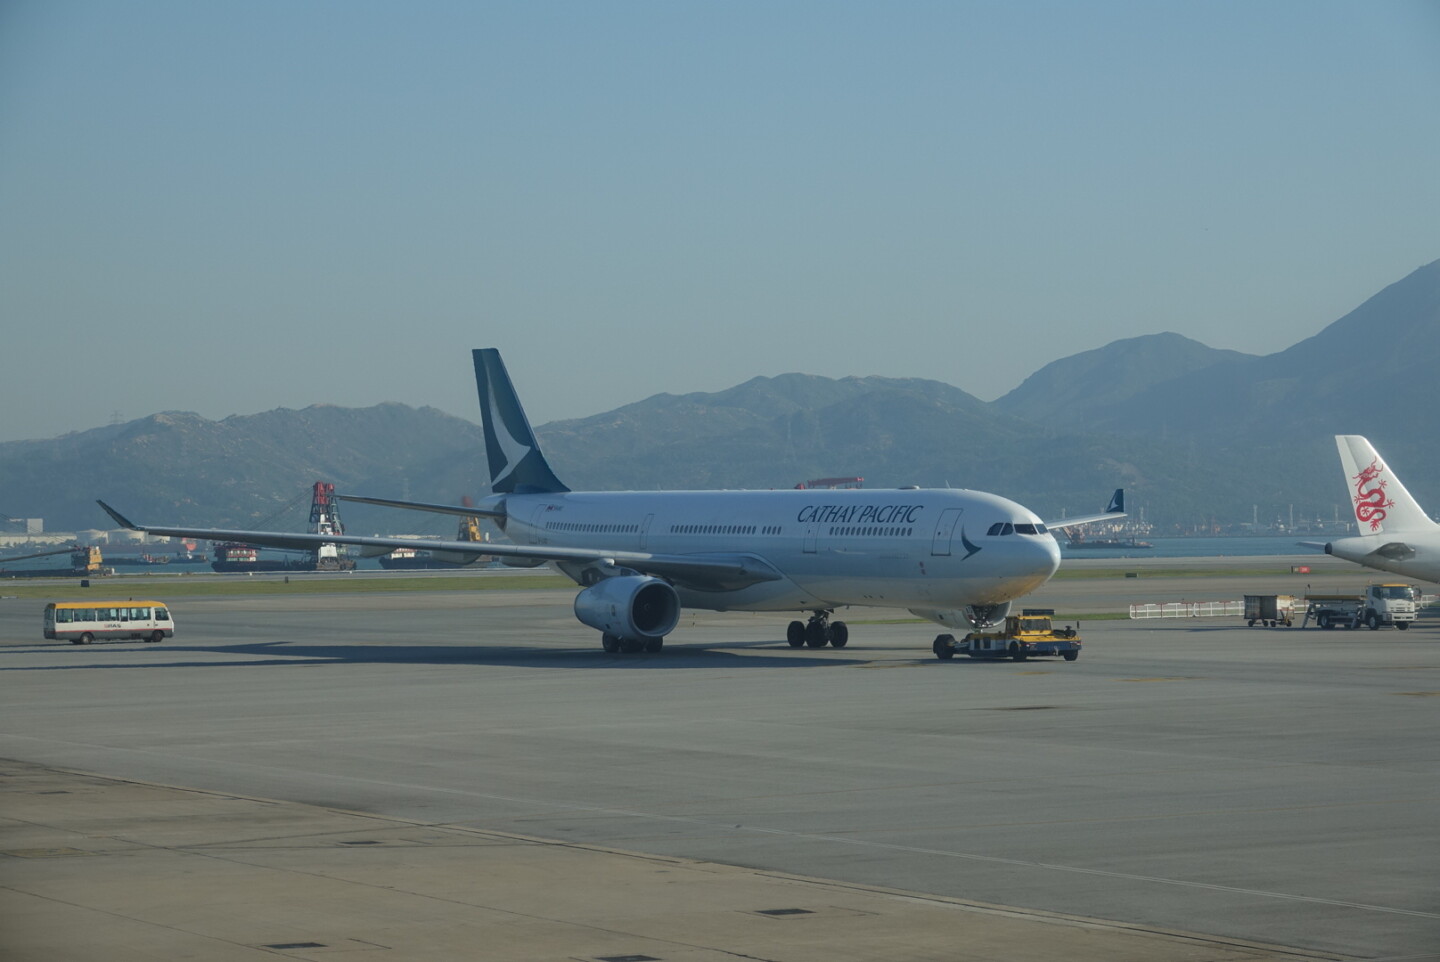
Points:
805	836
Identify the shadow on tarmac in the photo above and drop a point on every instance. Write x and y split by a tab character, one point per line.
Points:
287	653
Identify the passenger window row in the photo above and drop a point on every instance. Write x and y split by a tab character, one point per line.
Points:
851	531
69	615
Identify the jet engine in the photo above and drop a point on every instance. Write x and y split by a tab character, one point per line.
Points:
633	608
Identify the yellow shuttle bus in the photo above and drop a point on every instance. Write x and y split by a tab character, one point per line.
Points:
81	622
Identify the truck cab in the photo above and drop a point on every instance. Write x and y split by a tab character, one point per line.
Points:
1377	606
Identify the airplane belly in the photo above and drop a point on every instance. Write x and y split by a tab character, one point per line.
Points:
921	581
783	595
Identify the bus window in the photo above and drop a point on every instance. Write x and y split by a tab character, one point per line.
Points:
64	615
88	614
162	614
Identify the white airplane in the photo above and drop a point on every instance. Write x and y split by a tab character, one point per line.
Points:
1395	533
955	557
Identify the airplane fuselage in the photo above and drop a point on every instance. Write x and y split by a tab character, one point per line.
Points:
903	548
1417	556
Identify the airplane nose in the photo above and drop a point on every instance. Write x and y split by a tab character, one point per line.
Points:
1050	549
1034	563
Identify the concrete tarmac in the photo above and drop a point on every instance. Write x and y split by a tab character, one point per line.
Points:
1250	788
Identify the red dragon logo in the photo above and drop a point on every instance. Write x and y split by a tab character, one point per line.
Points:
1370	503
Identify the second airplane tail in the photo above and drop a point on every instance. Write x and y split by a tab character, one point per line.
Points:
516	464
1378	499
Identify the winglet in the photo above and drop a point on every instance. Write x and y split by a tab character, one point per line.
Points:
120	519
1117	502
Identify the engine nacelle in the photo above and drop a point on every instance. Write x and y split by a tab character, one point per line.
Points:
633	607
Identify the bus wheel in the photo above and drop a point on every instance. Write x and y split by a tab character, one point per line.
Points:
157	636
86	639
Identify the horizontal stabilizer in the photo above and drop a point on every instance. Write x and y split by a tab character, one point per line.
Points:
462	511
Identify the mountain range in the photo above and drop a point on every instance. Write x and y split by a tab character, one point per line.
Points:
1195	434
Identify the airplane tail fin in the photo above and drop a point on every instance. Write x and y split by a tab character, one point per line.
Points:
516	464
1378	499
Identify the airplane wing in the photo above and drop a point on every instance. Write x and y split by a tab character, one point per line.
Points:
38	554
704	571
1113	511
463	512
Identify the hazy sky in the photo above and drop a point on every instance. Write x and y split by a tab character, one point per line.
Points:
232	207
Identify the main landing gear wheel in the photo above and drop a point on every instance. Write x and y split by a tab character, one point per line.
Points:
818	632
795	634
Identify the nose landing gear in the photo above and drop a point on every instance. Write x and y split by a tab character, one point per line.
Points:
818	632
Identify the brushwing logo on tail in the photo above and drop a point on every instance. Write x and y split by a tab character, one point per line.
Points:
1370	501
513	449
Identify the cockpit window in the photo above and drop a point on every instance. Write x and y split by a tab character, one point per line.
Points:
1005	527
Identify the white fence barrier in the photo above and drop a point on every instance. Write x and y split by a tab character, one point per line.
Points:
1190	609
1224	609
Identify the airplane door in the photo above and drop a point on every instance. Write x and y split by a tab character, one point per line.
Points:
810	531
645	531
944	528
